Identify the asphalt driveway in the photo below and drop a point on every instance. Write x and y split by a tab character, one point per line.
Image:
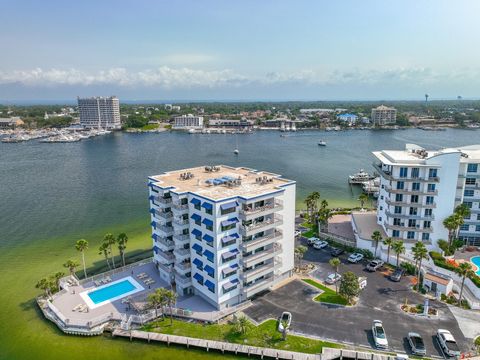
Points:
381	300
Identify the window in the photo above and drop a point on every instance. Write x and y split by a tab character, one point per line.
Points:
412	223
399	197
415	186
398	210
380	219
414	199
468	204
225	291
197	206
470	181
411	235
209	211
428	212
227	211
472	168
429	200
478	217
381	207
396	233
468	192
415	173
464	227
403	172
400	185
431	188
396	221
425	236
413	211
432	173
381	197
427	224
477	228
228	227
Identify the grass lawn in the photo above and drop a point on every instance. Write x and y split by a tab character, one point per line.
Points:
328	295
150	127
264	335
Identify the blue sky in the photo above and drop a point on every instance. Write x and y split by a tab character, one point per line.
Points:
243	50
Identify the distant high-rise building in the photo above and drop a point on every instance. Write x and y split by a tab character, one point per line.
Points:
384	115
99	112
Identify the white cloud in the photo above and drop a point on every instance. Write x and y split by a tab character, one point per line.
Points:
184	77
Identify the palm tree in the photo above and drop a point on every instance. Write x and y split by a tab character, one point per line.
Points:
122	240
71	265
335	263
170	298
451	224
300	253
363	198
420	252
105	249
464	270
324	214
284	329
110	240
44	284
398	248
154	299
463	211
82	245
388	242
56	278
242	324
376	238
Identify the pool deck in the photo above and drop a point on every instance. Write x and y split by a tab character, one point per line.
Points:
67	300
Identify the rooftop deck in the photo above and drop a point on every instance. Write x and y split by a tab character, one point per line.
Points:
201	182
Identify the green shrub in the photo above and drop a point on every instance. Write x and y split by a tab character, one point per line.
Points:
409	268
436	256
443	297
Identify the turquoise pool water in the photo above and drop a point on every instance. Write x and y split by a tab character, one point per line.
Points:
112	291
476	261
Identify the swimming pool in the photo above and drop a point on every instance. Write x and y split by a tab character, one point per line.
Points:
110	292
476	261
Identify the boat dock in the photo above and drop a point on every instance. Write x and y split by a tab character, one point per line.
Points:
215	345
260	352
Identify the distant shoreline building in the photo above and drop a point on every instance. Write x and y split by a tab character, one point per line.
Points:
231	123
186	122
384	115
223	233
99	112
11	123
350	119
420	188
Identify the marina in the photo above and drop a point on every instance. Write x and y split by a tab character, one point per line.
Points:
51	135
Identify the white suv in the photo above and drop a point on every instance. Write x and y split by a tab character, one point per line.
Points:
355	258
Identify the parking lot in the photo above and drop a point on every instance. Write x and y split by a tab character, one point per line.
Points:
381	300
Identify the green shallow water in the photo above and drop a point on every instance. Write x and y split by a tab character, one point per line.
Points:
52	195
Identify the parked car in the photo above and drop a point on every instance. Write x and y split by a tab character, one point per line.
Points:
336	251
362	282
333	278
286	317
416	344
355	258
374	265
447	343
397	274
320	244
312	240
379	335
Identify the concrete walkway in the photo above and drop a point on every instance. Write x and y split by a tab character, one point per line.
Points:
468	321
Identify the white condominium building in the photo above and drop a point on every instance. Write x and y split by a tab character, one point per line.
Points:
419	188
99	112
188	122
223	233
384	115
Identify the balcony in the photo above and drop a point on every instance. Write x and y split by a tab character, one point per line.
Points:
251	245
248	214
405	227
406	216
165	268
164	215
181	238
410	204
166	256
183	280
165	244
261	226
250	260
167	230
258	286
388	175
181	253
261	270
162	200
410	191
183	267
179	208
181	222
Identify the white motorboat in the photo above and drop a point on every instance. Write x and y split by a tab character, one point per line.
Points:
322	143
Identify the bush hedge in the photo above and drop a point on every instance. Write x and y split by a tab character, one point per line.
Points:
351	249
409	268
440	261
